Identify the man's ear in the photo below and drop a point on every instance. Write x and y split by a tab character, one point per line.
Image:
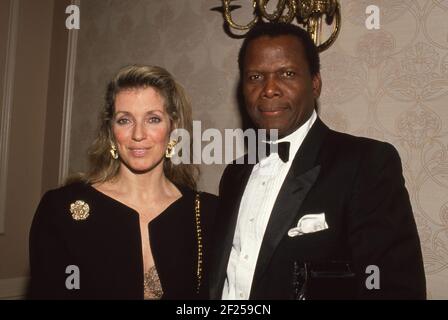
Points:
317	85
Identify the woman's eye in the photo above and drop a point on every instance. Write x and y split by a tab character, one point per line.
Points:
123	121
154	120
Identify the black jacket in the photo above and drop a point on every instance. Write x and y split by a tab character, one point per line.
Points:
358	184
106	247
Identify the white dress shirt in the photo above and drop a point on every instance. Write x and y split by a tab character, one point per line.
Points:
255	210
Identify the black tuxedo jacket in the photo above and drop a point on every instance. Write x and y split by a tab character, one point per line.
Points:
358	184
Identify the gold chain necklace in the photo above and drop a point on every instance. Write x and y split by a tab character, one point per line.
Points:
197	209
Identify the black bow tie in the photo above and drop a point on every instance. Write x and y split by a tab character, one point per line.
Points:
282	150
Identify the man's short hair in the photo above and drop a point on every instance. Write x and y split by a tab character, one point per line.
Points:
282	29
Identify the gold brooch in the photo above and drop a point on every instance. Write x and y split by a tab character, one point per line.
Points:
80	210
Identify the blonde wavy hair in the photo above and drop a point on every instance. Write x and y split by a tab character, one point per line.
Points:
102	167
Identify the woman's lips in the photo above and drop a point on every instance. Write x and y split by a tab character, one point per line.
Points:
138	152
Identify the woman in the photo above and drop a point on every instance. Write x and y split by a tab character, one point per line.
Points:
132	227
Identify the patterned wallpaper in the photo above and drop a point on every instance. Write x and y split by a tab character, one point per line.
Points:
390	84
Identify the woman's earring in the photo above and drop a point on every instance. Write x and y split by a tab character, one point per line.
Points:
169	152
113	151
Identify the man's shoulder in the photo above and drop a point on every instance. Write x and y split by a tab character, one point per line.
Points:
210	199
342	139
235	166
367	148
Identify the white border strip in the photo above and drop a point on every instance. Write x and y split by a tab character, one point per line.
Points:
68	101
7	99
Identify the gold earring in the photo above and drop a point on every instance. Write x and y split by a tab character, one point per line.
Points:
169	152
113	151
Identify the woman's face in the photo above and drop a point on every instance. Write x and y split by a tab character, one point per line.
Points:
141	127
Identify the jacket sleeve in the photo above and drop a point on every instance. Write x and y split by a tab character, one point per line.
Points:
382	231
47	253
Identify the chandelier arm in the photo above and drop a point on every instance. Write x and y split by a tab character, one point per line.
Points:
229	19
309	13
336	28
292	11
262	4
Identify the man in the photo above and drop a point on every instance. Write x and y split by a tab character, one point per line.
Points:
337	200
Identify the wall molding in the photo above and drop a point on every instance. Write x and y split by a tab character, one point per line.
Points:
7	100
70	69
13	288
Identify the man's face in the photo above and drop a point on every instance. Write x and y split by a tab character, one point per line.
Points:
278	88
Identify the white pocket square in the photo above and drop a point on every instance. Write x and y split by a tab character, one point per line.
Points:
308	224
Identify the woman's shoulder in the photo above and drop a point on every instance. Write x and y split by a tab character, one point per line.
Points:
208	202
209	206
64	195
66	191
188	193
206	196
56	203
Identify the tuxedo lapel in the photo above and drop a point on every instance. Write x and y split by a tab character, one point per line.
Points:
229	208
299	180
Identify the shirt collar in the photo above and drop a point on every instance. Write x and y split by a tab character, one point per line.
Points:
296	138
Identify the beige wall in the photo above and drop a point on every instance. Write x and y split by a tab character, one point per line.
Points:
183	36
34	132
55	97
27	133
390	84
4	17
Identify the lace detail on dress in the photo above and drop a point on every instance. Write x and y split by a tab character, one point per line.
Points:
152	286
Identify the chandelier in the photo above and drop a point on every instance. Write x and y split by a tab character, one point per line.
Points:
309	13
